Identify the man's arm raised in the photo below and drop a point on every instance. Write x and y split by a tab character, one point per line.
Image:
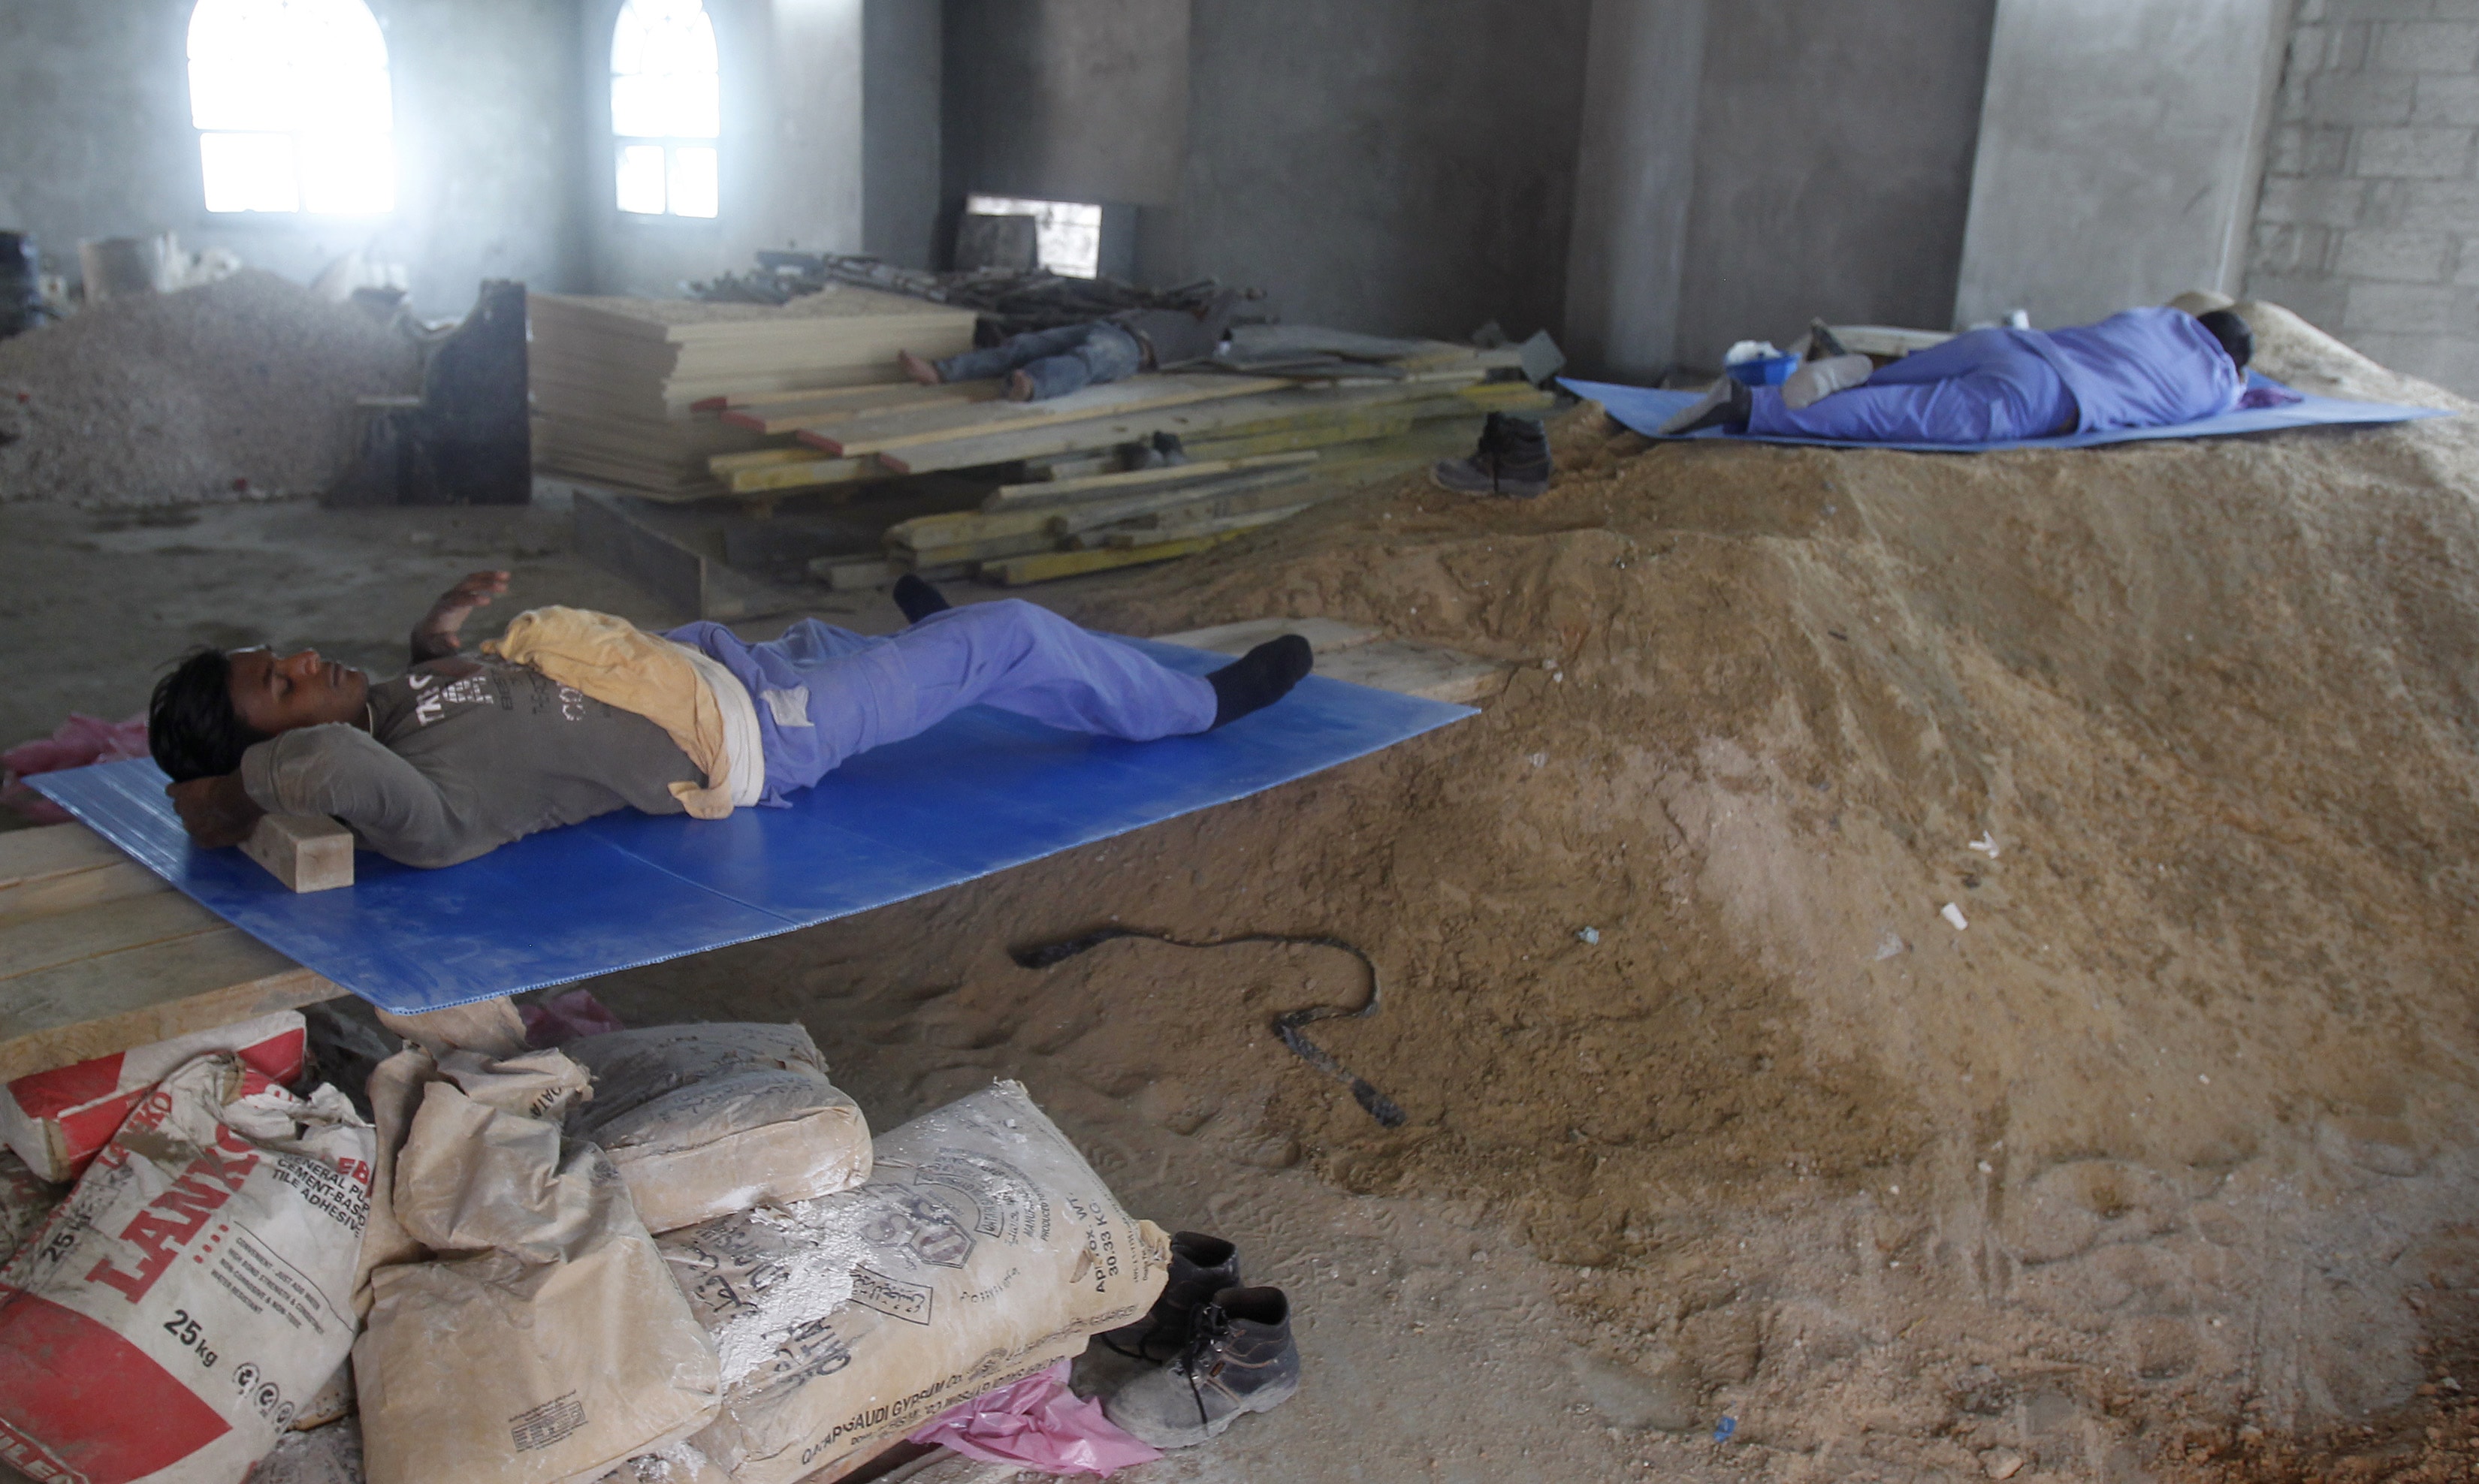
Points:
435	637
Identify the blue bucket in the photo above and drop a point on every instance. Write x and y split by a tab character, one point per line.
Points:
1770	372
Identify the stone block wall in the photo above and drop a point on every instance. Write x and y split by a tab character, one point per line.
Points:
2368	222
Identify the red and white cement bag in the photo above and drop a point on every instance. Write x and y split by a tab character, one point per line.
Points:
193	1293
57	1120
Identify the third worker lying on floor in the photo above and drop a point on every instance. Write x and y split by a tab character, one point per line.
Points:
1043	364
2145	368
573	714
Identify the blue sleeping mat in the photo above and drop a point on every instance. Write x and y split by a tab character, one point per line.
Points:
1643	409
981	791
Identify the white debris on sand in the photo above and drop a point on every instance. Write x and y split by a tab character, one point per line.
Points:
235	390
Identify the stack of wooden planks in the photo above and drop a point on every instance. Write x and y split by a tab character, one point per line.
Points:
841	437
633	392
683	400
98	953
1254	459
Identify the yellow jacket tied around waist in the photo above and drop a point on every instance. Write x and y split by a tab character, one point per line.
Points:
703	708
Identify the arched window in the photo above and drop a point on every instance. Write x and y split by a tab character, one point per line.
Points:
291	101
666	108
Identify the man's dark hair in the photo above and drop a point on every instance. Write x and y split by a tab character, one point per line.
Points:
191	726
2233	334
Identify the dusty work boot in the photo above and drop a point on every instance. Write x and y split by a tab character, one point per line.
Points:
1200	1267
1512	461
1729	403
1162	451
1239	1359
917	369
1260	677
917	598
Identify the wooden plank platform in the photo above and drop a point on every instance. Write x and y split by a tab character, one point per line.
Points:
98	953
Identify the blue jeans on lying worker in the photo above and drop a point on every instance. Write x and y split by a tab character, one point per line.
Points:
1059	361
1981	387
825	693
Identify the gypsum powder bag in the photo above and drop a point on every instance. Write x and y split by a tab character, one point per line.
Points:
545	1341
981	1250
171	1318
704	1120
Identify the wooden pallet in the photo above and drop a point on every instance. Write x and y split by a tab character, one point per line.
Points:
98	953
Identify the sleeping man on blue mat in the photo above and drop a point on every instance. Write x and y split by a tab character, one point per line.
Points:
572	714
2145	368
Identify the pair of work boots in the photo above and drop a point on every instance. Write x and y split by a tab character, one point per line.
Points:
1219	1350
1511	463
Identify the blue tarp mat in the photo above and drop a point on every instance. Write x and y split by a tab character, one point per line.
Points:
982	791
1643	409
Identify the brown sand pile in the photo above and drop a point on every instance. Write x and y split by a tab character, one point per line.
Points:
240	388
2170	1142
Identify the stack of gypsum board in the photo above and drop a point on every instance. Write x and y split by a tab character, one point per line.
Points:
617	383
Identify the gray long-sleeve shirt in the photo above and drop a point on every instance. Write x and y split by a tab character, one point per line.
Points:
463	756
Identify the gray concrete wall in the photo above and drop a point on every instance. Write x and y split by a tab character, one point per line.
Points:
2120	146
1401	166
1067	100
1635	173
1395	166
790	153
1833	166
95	141
902	87
2368	224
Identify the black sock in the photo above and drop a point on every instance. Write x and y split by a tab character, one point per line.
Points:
1260	677
917	598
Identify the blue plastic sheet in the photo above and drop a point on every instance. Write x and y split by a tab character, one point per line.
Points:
1643	409
982	791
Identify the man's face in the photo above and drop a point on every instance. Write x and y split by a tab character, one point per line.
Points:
275	693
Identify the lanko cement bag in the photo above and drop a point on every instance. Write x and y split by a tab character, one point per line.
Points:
704	1120
25	1201
166	1324
56	1120
545	1341
981	1250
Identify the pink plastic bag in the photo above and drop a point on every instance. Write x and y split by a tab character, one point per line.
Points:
82	740
1037	1423
565	1017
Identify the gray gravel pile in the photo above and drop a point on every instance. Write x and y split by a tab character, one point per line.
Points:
236	390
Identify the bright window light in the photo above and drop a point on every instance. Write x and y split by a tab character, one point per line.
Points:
666	109
1067	234
291	101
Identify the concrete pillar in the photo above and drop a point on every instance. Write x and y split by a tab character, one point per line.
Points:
1635	171
814	160
900	87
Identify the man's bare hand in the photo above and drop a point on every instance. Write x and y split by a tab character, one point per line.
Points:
435	636
216	811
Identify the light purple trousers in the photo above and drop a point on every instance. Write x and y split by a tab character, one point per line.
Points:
825	693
